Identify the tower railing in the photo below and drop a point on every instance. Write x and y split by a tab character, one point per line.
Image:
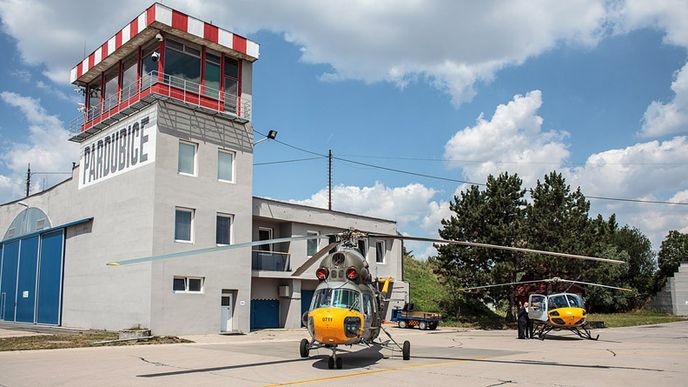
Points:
155	85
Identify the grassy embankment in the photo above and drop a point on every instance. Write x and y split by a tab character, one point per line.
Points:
427	292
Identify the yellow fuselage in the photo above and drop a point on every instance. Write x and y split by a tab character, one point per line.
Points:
327	325
566	317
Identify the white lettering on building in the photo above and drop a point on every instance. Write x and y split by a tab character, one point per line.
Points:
125	146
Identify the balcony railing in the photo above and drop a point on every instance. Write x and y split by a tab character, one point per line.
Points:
154	86
270	260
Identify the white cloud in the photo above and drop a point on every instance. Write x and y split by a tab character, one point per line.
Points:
451	44
667	15
672	117
47	149
513	136
514	140
403	204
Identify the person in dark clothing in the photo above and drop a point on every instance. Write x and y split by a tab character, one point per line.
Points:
523	321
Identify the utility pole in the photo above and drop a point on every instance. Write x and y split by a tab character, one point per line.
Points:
28	179
329	180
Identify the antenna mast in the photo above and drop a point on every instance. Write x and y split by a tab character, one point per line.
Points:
329	180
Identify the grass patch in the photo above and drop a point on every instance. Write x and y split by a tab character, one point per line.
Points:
426	289
76	340
638	317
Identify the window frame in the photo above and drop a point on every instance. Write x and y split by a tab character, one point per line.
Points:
195	158
317	242
272	235
186	284
382	253
231	227
366	248
191	225
233	154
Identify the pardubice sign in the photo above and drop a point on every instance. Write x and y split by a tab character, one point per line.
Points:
125	146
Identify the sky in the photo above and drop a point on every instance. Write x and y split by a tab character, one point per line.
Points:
596	90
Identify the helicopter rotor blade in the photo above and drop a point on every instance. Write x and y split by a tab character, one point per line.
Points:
504	284
599	285
497	247
161	257
314	258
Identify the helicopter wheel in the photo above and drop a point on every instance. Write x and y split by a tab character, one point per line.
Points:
338	363
406	350
330	362
303	348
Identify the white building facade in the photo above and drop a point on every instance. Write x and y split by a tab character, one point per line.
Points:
166	166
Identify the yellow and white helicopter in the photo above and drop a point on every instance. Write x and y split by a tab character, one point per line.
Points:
557	311
349	305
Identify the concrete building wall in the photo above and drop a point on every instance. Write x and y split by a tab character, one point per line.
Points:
175	313
96	295
673	298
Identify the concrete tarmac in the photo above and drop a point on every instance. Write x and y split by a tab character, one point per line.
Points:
647	355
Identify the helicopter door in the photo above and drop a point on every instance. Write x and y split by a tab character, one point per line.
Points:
538	307
368	311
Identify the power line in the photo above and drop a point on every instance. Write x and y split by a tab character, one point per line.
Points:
467	182
286	161
407	172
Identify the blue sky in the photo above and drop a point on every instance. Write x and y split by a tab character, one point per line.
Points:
593	89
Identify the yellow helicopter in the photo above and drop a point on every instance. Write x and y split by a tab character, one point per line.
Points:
557	311
349	306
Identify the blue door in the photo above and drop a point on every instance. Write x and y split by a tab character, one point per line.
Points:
306	297
264	314
26	280
50	278
8	286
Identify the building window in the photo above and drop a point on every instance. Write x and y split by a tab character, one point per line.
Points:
129	77
182	66
183	225
225	166
223	229
188	284
311	244
231	84
111	98
186	164
265	234
211	81
94	99
363	248
380	251
149	65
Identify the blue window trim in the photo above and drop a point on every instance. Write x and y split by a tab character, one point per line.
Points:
47	230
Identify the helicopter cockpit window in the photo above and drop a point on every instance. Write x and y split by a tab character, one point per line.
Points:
346	298
322	299
574	301
338	298
367	305
558	301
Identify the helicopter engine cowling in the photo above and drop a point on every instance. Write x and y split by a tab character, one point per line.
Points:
347	264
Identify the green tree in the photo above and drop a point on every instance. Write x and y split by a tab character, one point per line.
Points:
642	266
495	216
673	251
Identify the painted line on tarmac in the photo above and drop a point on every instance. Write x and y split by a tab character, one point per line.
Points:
371	372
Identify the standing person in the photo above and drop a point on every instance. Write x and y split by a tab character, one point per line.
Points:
523	321
529	322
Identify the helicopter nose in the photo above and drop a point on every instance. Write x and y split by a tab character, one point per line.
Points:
336	325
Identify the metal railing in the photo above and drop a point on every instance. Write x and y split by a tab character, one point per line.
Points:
165	85
270	260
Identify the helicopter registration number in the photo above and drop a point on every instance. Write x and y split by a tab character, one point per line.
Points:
327	319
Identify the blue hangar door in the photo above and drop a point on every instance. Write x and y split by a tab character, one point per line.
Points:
264	314
306	298
31	278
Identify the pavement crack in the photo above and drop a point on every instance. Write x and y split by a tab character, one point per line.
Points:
157	364
501	382
612	352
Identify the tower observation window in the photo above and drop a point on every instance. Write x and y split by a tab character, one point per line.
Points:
182	66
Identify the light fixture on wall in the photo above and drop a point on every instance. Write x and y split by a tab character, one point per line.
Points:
272	134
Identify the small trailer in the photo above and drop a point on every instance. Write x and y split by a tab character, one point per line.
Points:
422	320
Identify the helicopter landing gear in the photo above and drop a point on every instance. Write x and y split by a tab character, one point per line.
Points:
334	361
304	348
406	350
586	334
